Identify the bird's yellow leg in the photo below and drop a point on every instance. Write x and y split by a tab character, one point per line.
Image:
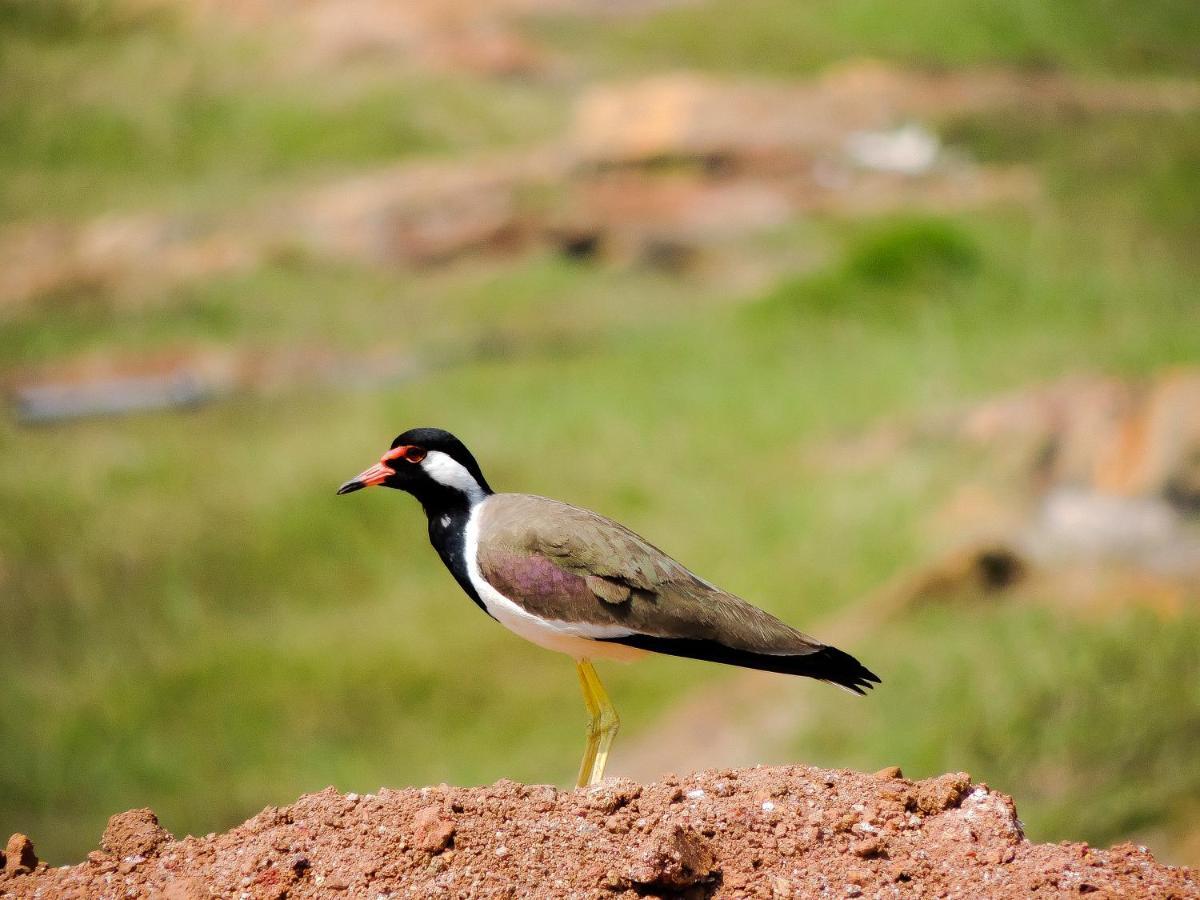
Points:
602	725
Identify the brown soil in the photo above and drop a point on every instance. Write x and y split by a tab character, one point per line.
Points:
762	832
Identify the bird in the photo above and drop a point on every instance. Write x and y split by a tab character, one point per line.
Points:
575	581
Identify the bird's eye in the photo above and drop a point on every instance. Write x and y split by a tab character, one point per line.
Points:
415	454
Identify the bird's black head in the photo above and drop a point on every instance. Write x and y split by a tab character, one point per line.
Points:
432	465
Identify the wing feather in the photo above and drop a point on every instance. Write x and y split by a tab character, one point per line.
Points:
570	565
619	578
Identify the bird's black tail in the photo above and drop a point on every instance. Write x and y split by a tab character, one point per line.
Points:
825	664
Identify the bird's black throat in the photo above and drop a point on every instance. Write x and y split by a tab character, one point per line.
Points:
448	517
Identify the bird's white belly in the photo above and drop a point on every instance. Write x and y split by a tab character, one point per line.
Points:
579	640
555	635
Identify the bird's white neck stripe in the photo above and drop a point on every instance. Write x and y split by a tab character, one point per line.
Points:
446	470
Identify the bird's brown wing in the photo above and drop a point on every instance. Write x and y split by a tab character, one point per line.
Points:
573	566
567	564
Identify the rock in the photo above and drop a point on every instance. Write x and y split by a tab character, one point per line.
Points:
419	214
938	794
972	570
41	403
611	796
433	833
868	848
638	217
859	108
184	889
19	856
908	150
134	833
673	858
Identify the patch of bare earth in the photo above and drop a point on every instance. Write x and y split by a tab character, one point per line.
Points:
762	832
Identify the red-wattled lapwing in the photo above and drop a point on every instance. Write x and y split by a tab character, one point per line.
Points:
574	581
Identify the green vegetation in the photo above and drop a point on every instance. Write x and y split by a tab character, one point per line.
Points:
195	623
778	37
100	112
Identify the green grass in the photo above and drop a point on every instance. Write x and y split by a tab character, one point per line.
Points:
495	308
99	113
195	623
778	37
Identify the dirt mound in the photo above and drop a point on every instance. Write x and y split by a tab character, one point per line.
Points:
762	832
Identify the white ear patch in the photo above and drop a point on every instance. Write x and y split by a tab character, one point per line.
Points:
446	470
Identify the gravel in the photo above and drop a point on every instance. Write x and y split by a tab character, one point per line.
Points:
761	832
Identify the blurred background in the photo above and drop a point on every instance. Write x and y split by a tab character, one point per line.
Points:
883	316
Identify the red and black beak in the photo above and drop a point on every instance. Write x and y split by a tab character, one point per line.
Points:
381	471
374	475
